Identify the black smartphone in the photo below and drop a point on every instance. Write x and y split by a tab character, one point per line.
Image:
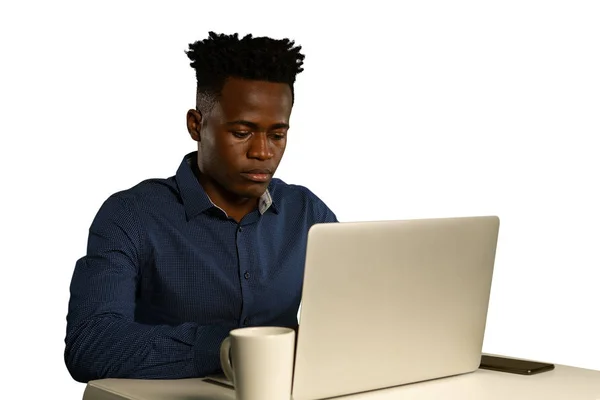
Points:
514	366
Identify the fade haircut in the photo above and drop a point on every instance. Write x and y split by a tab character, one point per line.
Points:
223	56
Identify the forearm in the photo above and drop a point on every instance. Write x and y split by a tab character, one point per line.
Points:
112	347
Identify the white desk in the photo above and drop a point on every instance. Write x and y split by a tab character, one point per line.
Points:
563	383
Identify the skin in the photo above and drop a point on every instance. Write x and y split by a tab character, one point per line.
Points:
244	134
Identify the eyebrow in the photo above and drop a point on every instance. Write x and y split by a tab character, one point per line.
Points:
252	125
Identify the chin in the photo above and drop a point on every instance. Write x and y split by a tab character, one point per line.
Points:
253	191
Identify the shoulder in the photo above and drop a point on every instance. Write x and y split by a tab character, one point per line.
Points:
127	205
301	197
151	191
292	191
148	194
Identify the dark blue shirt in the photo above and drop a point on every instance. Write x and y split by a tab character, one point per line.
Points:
168	274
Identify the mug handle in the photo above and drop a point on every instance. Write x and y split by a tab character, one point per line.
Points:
226	358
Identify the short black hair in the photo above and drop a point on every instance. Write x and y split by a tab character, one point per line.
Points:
222	56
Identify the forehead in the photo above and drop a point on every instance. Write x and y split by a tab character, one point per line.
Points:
255	100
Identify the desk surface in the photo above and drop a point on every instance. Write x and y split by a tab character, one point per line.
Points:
560	384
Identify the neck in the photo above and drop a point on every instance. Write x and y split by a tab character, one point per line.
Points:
236	207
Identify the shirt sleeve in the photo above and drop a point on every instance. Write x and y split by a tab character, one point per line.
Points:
323	212
102	339
328	215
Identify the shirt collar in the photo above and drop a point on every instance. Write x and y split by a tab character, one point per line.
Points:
196	201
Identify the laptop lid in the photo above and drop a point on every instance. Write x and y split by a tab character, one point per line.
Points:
392	302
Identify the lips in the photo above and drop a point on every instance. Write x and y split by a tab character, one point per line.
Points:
257	175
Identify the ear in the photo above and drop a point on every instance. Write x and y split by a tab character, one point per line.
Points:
194	124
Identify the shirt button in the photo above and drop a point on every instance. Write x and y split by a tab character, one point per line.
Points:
240	229
247	275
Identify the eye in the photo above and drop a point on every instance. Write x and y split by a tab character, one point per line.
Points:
240	134
278	135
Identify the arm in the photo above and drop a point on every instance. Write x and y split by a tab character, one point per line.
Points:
103	340
329	216
322	211
321	214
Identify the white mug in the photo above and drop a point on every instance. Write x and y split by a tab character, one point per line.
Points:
260	362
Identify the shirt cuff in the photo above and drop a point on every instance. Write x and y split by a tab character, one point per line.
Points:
208	347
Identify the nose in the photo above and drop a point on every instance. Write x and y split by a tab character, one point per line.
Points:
260	147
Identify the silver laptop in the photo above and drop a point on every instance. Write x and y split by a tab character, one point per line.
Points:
392	302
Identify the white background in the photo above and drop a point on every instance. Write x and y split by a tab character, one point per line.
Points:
426	109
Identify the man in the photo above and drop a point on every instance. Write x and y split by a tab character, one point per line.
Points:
173	265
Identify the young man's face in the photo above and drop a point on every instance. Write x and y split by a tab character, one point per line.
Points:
242	140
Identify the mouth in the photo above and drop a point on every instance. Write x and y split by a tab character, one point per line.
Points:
257	175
